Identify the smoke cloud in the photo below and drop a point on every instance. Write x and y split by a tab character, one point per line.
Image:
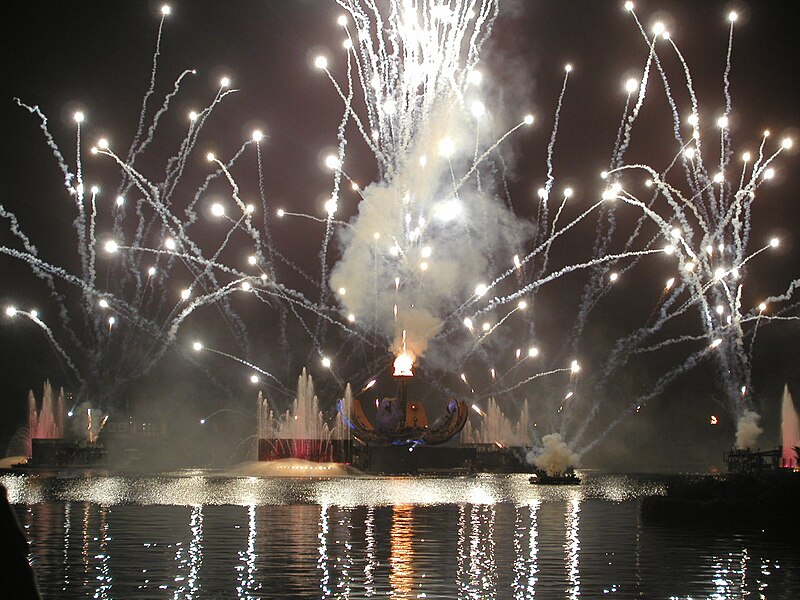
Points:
748	430
555	456
421	243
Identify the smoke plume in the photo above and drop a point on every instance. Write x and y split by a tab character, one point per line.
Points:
748	430
554	456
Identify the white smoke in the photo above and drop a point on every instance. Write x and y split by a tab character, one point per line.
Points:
748	430
418	245
555	456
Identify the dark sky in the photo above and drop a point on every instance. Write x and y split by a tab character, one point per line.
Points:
96	55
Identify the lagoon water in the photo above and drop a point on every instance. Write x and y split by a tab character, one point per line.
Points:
202	534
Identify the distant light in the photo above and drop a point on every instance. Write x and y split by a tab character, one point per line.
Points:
631	85
103	303
258	135
79	117
166	9
197	346
217	209
376	236
423	266
321	62
326	362
720	309
111	246
713	420
224	82
446	147
333	162
426	252
70	413
185	294
351	317
253	378
474	77
202	421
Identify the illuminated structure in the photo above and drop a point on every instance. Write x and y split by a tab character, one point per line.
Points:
399	421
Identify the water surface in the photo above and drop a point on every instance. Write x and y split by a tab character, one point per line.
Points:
210	535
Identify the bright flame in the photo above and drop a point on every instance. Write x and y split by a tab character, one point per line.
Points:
403	365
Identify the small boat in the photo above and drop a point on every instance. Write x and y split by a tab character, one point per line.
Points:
567	478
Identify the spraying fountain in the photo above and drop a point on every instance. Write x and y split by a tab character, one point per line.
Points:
790	432
301	432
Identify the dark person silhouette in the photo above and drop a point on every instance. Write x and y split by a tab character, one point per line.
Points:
15	571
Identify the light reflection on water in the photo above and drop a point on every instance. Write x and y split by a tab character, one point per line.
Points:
208	536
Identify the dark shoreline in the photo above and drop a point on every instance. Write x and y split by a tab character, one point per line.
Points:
766	501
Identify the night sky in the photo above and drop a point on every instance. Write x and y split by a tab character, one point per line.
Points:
96	56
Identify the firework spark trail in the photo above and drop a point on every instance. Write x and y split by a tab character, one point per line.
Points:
134	148
542	216
51	338
404	106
